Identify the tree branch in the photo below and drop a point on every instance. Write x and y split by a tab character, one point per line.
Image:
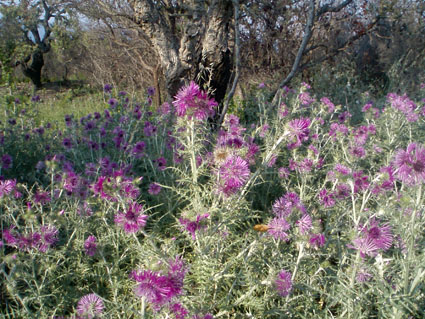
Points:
237	64
342	48
307	35
327	8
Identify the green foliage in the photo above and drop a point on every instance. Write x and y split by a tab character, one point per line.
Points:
232	267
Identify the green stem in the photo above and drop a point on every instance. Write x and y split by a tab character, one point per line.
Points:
410	251
143	308
264	164
192	152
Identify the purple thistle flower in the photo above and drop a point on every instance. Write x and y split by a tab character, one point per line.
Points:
304	224
305	99
326	199
362	275
373	239
149	129
381	235
191	99
6	161
28	242
9	237
151	91
298	131
90	125
39	130
328	103
132	221
317	240
6	187
233	173
138	149
71	181
161	163
283	172
176	273
410	164
231	120
361	181
367	106
358	151
283	283
49	237
179	311
154	189
342	117
305	165
113	103
344	170
164	108
342	191
193	226
403	104
42	198
285	205
278	228
35	98
67	143
338	128
107	88
90	306
156	288
90	246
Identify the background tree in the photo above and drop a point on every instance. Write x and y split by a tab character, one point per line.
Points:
194	39
32	24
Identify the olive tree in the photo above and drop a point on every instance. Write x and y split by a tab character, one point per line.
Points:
29	32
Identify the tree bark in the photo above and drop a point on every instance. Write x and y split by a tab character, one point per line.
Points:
33	70
189	40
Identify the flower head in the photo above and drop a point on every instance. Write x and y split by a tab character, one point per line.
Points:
286	204
298	131
363	275
193	226
403	104
42	198
179	311
373	239
90	306
90	246
328	103
192	100
278	228
304	224
154	189
317	240
49	236
233	173
283	283
326	199
410	164
132	220
156	288
107	88
6	187
161	163
6	161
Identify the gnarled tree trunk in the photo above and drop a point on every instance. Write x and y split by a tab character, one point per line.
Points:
188	40
33	70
